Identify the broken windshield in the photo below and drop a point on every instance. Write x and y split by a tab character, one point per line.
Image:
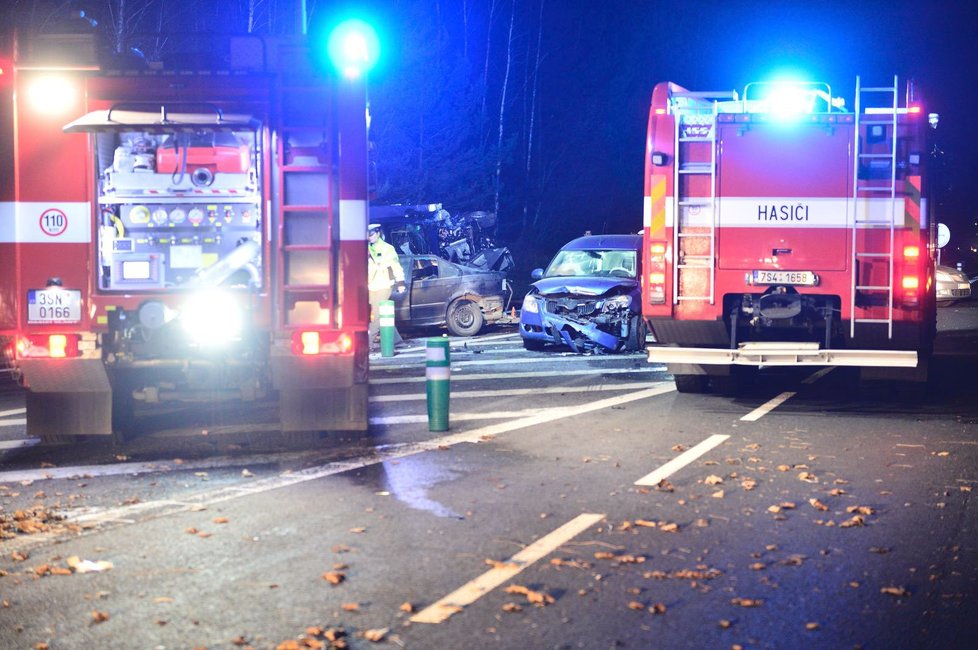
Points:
581	263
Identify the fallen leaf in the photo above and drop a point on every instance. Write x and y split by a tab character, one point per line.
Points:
899	592
835	492
679	447
407	607
657	608
758	566
637	606
512	608
713	479
239	640
724	623
350	607
856	520
334	577
943	453
748	484
818	505
245	473
645	523
811	626
496	564
358	529
783	468
221	520
747	602
192	531
377	635
863	510
535	597
664	486
204	535
807	477
669	528
99	617
774	509
718	494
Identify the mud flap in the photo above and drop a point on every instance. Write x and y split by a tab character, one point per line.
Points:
324	409
67	397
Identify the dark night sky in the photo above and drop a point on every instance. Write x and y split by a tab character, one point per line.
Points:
608	55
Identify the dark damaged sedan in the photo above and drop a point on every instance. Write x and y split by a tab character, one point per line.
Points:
589	297
439	292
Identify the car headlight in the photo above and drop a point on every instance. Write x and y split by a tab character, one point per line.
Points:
212	318
943	276
530	304
616	303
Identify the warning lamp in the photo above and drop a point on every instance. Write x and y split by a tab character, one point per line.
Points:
913	109
911	252
316	342
657	273
52	94
353	48
53	346
658	158
910	283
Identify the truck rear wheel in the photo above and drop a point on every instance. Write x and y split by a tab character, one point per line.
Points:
692	383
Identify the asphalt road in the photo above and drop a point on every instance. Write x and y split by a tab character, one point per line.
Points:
575	502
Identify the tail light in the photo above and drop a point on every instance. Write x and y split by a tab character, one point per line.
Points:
910	276
657	273
318	342
50	346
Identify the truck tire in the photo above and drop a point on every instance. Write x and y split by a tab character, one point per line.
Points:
464	318
692	383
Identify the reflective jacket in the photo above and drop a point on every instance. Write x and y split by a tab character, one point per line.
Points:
383	267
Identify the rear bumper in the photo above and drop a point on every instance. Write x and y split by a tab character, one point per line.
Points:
783	354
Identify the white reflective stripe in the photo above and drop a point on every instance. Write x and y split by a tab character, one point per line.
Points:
353	220
435	354
438	373
796	212
45	223
647	211
386	321
386	308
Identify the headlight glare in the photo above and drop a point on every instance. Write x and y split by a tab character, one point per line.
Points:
530	304
212	318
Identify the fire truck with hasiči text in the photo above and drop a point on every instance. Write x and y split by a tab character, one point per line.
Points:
783	228
192	233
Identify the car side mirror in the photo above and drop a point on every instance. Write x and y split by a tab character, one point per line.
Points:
536	274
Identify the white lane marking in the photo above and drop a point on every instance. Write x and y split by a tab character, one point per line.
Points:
13	423
456	417
462	394
377	455
18	444
817	375
682	460
767	407
4	414
594	358
475	589
516	376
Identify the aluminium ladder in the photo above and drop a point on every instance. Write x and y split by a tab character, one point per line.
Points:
865	222
695	123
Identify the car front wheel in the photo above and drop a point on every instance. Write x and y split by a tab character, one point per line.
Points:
464	318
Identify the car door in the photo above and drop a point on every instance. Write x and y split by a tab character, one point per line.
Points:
434	282
402	301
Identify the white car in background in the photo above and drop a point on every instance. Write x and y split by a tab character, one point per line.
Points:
952	285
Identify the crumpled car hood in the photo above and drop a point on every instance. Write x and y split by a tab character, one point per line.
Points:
586	286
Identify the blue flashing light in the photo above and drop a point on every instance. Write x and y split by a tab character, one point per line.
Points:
353	48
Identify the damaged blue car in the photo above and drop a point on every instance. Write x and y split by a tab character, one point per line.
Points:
589	298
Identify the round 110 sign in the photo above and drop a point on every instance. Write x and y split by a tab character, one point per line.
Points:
943	235
53	222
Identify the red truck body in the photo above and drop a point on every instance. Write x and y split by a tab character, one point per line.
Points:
187	235
782	229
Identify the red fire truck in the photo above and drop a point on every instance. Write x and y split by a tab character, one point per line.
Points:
781	228
182	234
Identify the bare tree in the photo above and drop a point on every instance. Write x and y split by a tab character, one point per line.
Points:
534	85
502	107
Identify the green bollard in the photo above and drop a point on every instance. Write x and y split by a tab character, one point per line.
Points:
438	374
387	328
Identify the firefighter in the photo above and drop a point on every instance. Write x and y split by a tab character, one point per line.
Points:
384	272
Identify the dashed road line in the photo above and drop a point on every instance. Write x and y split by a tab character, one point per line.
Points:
516	376
19	411
682	460
768	406
553	390
126	514
475	589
